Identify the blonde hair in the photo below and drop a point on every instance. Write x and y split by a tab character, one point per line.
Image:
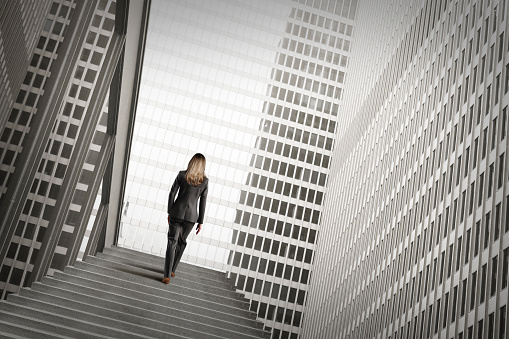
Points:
196	170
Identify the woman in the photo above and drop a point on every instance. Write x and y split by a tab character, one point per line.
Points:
191	185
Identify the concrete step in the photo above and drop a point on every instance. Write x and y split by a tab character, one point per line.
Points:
110	266
38	324
143	301
157	261
12	331
95	326
198	274
164	320
119	294
115	285
116	320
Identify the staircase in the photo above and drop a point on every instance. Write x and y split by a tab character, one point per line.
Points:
119	294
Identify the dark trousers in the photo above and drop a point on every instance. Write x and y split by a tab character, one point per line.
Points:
177	235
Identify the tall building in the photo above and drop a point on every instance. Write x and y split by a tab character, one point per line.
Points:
20	30
63	137
280	205
414	237
255	87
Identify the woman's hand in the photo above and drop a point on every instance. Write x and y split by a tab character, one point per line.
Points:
198	228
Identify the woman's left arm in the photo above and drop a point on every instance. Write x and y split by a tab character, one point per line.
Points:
173	192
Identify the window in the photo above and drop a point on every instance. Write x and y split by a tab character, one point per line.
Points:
430	314
484	143
434	274
497	89
425	291
462	208
467	246
506	79
494	266
487	226
483	67
496	227
471	200
500	45
492	56
483	283
488	100
476	148
437	316
505	268
445	313
500	171
458	253
453	306
463	297
467	153
494	134
491	173
480	329
507	216
473	282
481	186
449	264
502	329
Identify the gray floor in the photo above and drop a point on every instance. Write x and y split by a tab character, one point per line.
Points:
119	294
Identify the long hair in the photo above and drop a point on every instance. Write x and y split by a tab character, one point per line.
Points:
196	170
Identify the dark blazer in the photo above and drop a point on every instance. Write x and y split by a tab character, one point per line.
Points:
185	206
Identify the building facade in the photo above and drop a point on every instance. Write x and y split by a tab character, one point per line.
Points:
255	87
60	133
279	209
20	31
414	237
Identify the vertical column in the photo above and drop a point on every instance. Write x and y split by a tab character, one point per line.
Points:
43	122
45	257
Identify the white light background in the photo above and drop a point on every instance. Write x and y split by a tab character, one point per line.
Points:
205	75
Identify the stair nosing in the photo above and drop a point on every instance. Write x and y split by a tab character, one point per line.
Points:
29	329
227	299
128	306
150	256
136	299
49	323
113	319
36	287
149	270
193	268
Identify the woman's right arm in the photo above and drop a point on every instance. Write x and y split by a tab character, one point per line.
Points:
173	192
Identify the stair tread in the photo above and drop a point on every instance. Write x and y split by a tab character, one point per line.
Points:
137	273
141	291
142	329
65	330
157	262
8	329
149	303
123	312
119	293
97	328
158	267
151	283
